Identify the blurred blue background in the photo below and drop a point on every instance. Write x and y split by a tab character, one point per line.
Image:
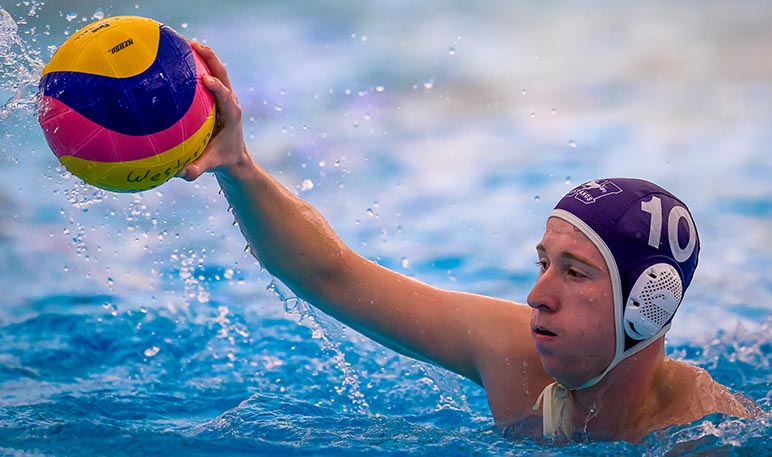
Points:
435	137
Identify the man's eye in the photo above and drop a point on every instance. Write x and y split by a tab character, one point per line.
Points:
542	264
575	273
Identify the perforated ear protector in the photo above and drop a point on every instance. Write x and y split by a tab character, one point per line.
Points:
653	300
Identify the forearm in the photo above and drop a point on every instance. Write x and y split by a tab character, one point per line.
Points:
295	243
287	235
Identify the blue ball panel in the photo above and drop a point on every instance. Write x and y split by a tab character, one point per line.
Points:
138	105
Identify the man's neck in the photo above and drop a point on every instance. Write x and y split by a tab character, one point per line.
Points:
622	404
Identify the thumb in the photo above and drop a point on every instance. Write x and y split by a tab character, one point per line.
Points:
192	171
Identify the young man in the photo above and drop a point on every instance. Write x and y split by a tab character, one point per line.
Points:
586	354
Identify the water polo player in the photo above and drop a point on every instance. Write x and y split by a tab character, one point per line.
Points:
585	359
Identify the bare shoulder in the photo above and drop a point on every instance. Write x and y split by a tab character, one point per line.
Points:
695	394
509	366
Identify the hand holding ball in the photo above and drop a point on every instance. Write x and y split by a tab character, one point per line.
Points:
122	104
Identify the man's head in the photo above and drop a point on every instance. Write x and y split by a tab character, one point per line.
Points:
649	246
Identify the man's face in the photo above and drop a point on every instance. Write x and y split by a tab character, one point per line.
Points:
572	317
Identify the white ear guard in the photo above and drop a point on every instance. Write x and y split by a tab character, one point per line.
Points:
653	300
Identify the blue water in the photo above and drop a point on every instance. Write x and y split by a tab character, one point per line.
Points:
435	137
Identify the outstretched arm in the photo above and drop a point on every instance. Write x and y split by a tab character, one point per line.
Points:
461	332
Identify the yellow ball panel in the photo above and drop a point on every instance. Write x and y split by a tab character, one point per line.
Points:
119	47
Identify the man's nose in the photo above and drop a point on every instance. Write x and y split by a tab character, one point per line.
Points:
542	296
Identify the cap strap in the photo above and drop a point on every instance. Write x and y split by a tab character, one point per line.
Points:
555	401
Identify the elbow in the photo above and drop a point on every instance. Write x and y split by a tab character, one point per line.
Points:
326	281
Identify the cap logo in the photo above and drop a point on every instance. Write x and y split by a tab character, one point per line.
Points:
590	192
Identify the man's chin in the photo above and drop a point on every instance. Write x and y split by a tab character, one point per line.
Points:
556	370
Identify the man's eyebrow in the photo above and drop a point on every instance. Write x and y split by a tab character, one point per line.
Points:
571	256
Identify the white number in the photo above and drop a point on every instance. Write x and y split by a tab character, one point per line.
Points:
654	208
676	214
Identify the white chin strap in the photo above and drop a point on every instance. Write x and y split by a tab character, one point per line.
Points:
556	411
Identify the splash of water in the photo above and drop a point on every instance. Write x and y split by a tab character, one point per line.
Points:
20	69
305	315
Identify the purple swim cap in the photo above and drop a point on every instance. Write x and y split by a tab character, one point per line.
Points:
650	244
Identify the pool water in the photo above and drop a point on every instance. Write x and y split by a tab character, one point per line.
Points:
435	137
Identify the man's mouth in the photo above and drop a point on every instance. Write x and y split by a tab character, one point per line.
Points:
543	331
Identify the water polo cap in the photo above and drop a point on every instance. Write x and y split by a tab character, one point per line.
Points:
650	244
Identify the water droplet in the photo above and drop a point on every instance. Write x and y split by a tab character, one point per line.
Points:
71	16
524	92
429	84
99	13
451	51
241	330
184	25
572	144
379	88
568	180
536	198
111	308
405	262
307	184
152	351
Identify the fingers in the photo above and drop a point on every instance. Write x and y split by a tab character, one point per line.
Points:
227	104
216	67
227	142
